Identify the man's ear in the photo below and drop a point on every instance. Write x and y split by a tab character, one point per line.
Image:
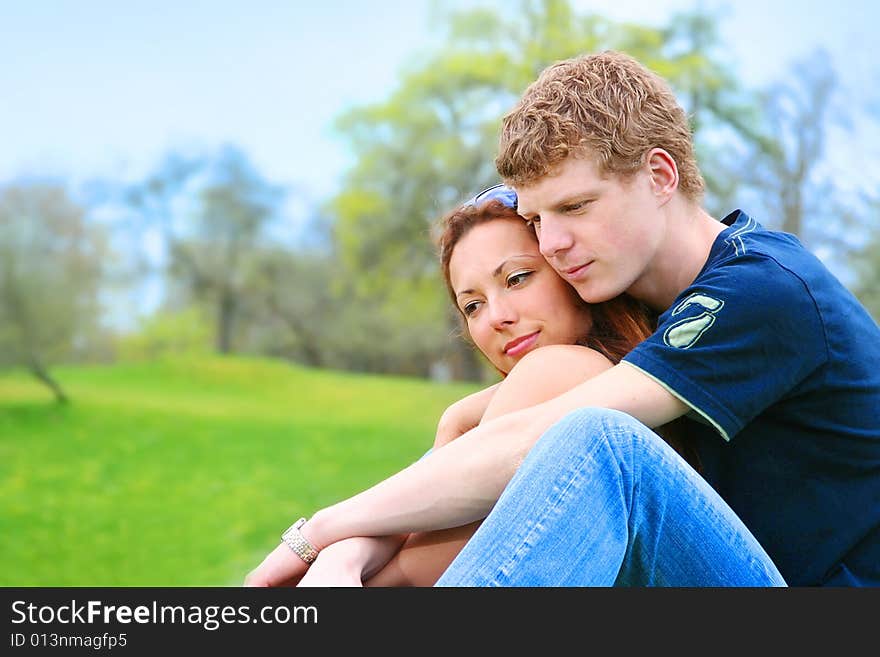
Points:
664	174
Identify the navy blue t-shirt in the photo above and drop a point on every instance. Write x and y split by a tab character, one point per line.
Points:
777	358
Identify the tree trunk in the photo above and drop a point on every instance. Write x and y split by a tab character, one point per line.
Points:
42	374
464	361
225	317
27	332
311	353
466	365
794	212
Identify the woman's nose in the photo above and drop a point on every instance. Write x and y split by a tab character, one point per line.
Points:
501	312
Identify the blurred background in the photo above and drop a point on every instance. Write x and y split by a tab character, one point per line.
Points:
220	307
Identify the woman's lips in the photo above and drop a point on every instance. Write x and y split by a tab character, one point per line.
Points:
520	345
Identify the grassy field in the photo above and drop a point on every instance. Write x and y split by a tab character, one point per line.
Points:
184	473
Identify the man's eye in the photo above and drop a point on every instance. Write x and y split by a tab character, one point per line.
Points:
576	207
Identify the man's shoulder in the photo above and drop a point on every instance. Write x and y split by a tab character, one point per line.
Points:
747	244
765	267
775	270
756	280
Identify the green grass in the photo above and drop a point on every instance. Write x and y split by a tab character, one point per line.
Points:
184	473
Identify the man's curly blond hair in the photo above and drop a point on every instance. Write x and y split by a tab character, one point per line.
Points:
605	106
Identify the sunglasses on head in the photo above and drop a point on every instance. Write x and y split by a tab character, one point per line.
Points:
499	192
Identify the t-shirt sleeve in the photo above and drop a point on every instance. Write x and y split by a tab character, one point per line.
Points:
742	337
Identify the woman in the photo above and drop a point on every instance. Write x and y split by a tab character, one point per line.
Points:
533	328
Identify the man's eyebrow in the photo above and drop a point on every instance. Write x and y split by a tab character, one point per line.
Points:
574	198
564	202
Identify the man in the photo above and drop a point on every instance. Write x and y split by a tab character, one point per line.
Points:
758	339
775	362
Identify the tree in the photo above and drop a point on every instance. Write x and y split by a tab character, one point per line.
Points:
786	168
213	213
725	117
50	272
794	186
866	260
432	142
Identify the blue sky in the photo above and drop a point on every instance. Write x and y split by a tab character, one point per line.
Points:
98	88
101	89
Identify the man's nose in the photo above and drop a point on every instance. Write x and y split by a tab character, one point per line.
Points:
554	237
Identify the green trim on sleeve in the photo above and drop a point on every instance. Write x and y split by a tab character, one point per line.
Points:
675	394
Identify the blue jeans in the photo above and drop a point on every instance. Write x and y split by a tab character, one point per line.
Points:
601	500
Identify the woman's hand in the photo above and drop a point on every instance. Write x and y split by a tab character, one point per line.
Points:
281	567
339	564
462	416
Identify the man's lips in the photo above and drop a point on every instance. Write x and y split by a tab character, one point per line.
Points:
577	271
521	344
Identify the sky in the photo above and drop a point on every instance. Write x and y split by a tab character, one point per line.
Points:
92	88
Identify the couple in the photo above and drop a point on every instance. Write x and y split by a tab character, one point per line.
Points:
768	367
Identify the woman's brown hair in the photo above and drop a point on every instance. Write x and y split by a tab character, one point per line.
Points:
619	324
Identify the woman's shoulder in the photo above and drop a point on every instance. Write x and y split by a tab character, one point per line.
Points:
560	357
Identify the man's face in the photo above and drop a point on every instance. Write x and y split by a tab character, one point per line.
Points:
601	234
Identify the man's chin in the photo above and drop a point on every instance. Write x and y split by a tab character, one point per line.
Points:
592	293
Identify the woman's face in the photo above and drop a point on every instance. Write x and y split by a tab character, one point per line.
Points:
511	298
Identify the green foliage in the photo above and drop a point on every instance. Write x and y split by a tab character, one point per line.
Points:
184	472
164	334
51	262
432	143
51	266
214	212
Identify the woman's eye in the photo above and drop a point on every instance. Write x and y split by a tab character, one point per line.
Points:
470	308
518	278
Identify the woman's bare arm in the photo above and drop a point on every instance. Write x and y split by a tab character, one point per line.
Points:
425	555
352	560
461	482
463	415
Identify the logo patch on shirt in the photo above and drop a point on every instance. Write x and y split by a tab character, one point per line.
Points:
685	333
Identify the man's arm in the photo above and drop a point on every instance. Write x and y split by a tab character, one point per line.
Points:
460	483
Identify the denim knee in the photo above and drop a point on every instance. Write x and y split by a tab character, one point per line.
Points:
587	434
600	424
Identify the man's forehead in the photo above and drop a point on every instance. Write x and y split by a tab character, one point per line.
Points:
528	197
574	176
531	203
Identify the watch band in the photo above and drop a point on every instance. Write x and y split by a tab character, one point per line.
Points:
297	542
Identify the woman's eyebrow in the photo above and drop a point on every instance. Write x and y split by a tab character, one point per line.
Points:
497	271
499	268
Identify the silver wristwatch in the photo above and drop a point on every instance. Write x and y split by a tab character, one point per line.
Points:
297	542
